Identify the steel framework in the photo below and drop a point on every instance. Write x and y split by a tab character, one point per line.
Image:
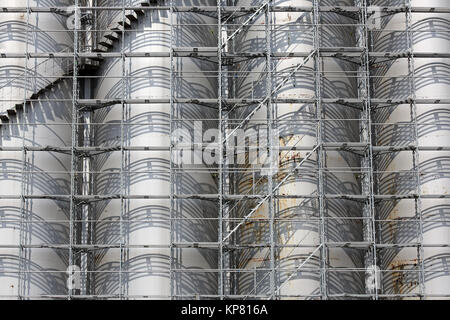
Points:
232	21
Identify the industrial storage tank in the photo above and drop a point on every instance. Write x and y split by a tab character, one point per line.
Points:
36	32
39	224
296	226
144	268
395	126
34	223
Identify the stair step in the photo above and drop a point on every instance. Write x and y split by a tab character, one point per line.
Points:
107	42
11	112
101	49
125	22
131	15
118	29
4	118
111	35
139	12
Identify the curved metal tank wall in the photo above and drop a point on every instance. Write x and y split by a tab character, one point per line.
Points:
47	32
147	269
431	35
46	124
297	128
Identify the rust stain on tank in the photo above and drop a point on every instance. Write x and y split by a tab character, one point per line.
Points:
258	259
400	283
287	203
392	225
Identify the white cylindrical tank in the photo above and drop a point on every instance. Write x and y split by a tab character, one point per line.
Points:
145	222
21	33
42	270
391	81
297	127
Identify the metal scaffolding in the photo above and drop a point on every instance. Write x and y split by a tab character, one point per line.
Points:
235	209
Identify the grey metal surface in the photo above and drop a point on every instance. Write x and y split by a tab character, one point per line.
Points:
359	210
